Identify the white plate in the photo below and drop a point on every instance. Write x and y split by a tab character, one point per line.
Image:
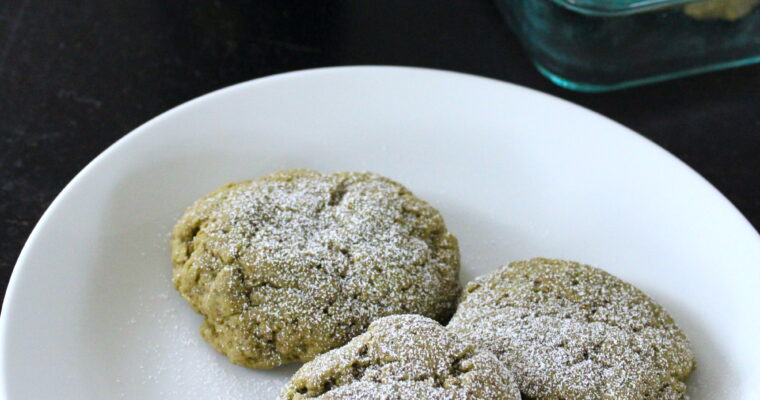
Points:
90	312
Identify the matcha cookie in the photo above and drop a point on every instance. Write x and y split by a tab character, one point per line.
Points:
570	331
291	265
730	10
407	357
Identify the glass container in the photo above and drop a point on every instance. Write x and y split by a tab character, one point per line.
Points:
599	45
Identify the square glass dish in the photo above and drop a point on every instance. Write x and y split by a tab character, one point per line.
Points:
599	45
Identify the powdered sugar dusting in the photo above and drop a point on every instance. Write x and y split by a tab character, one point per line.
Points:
160	355
296	263
404	357
569	331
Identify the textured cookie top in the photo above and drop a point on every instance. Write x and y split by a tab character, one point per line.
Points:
403	357
570	331
291	265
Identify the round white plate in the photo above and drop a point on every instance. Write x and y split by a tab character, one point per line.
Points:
91	313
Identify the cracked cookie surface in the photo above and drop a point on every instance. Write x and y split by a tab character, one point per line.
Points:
288	266
404	357
571	331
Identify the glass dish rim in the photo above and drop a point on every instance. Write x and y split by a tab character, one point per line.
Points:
610	8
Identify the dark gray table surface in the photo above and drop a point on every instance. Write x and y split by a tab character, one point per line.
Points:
76	76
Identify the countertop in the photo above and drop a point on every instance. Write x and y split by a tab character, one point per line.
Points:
76	76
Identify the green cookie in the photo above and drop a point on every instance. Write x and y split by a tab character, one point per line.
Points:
291	265
570	331
405	357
